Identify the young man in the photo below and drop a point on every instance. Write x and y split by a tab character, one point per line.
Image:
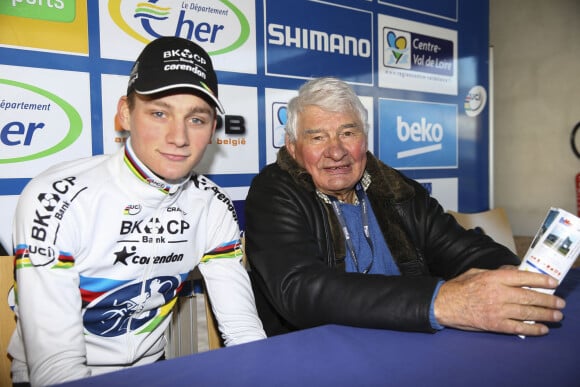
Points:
104	244
334	236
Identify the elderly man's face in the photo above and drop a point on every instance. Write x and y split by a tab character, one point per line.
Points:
332	148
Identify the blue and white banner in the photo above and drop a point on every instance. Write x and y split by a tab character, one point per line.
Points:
417	56
416	134
419	67
311	43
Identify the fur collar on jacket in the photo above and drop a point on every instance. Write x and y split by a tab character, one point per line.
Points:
387	189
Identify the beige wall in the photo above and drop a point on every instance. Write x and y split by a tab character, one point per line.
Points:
536	49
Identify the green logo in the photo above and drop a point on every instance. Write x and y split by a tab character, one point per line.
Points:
63	11
147	11
74	131
245	33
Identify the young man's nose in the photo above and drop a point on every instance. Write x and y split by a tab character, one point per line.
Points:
178	134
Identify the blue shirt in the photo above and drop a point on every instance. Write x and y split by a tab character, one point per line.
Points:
380	260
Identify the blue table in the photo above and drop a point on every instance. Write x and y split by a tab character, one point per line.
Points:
344	356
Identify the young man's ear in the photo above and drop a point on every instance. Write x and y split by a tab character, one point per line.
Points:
123	114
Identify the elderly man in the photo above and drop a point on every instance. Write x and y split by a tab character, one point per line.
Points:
334	236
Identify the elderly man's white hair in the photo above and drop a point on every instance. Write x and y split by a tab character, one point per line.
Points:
329	94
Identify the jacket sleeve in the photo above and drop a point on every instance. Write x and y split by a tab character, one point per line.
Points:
448	248
226	279
288	246
47	289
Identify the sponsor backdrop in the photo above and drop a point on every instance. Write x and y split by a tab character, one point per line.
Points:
420	68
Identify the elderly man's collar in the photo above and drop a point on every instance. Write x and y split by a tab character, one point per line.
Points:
365	181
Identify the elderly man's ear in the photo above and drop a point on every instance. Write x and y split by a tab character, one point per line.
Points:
290	146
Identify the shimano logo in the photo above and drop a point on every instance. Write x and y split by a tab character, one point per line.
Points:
421	132
282	35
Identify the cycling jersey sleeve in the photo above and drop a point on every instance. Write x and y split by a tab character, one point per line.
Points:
48	301
226	279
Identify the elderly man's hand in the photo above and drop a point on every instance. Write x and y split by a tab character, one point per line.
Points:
497	301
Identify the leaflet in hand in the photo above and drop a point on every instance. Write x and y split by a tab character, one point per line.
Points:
555	246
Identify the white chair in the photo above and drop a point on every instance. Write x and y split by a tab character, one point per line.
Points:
214	337
493	223
185	329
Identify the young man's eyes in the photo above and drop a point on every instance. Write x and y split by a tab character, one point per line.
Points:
197	121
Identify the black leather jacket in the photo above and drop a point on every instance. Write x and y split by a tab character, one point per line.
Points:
296	252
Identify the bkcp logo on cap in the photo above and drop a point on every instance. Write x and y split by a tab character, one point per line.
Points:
170	63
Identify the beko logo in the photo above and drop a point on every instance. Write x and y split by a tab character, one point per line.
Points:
428	134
